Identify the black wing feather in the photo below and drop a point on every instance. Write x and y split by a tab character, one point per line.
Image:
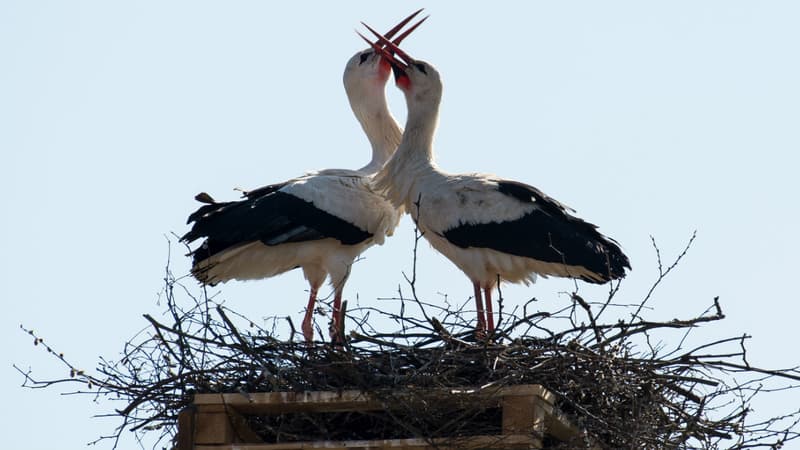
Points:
548	233
267	215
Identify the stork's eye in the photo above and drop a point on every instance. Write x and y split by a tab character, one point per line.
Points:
363	57
421	68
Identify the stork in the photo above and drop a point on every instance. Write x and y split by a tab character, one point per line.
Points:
489	227
319	222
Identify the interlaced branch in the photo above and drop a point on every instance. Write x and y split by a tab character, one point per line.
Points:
617	378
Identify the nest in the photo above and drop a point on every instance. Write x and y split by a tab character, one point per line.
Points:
608	376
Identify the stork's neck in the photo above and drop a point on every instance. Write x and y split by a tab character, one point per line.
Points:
420	128
413	160
382	130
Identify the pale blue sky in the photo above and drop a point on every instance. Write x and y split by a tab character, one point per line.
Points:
648	118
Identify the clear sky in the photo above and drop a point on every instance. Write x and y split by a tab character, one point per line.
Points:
648	118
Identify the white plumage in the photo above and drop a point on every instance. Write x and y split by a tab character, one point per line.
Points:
487	226
268	250
319	222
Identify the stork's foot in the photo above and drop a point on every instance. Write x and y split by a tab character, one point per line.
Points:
308	320
336	338
480	330
308	332
337	322
336	332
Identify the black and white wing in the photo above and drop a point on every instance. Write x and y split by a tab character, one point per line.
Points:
304	209
523	221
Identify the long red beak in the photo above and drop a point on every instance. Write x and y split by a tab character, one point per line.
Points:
389	34
389	50
389	46
398	67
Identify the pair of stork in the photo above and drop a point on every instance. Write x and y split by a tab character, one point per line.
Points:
490	228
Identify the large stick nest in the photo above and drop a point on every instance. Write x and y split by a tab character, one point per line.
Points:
616	380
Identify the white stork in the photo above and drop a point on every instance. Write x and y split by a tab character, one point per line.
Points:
487	226
320	221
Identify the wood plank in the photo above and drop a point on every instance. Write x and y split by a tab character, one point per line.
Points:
542	409
523	389
212	428
186	419
528	414
290	402
241	430
474	442
207	420
560	427
350	400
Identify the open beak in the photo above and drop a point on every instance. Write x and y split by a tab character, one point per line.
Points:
390	34
397	58
388	49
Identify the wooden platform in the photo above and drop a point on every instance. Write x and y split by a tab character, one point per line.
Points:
217	422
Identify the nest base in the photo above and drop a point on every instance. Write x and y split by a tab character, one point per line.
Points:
222	421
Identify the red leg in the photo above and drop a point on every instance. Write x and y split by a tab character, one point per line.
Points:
487	297
308	326
337	316
481	327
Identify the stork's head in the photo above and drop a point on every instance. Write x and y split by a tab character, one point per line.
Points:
419	80
366	73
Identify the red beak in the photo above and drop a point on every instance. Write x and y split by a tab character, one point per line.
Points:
389	34
405	34
389	49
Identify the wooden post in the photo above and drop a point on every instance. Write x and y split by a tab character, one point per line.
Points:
186	427
523	413
212	425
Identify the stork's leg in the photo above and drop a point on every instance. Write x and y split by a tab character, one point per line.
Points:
481	327
338	320
487	297
308	324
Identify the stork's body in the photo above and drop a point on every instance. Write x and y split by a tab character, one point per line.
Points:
487	226
319	222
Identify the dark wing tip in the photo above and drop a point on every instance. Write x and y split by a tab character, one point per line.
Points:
204	198
200	272
263	191
616	263
210	204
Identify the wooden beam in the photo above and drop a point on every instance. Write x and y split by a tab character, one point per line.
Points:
186	426
212	427
208	421
351	400
291	402
474	442
528	414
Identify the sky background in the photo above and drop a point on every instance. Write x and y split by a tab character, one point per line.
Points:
651	119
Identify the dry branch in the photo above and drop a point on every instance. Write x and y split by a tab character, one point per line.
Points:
609	378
